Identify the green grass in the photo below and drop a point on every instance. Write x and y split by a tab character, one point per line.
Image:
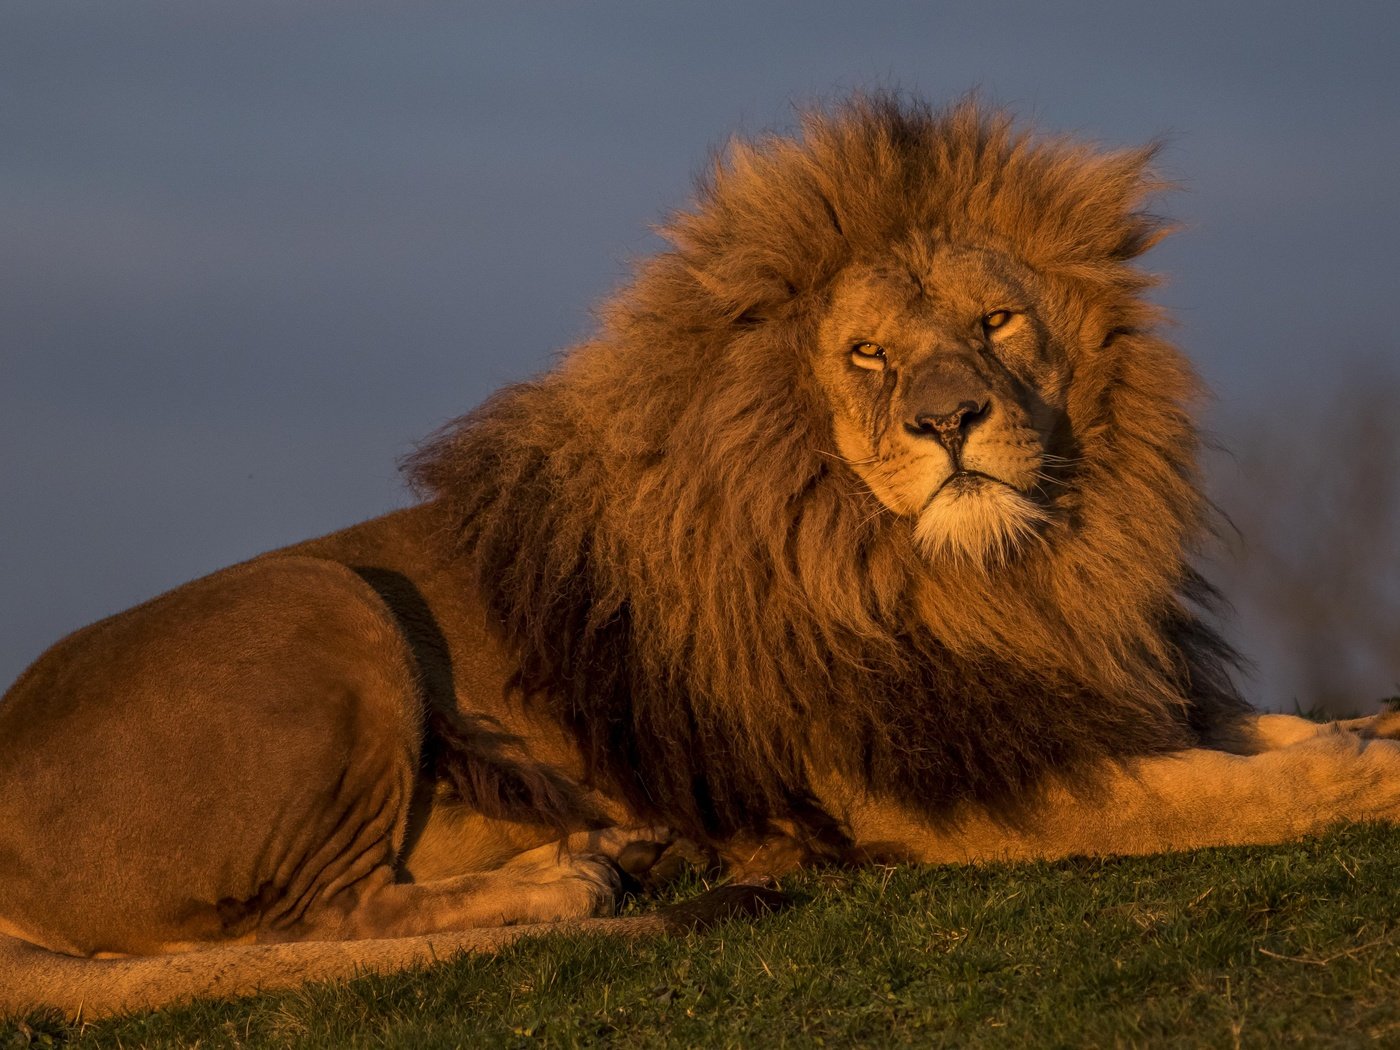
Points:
1252	947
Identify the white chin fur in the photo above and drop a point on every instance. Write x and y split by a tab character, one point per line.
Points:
979	521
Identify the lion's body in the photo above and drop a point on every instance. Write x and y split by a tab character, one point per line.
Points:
862	528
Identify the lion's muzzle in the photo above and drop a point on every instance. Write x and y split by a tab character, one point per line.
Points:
948	397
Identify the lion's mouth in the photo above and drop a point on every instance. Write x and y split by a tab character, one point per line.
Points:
964	480
979	517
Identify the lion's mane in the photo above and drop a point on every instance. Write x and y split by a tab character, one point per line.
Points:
711	601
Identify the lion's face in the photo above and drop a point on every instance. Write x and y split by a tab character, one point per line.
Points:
946	389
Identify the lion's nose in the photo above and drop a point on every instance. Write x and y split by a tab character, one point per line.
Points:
950	426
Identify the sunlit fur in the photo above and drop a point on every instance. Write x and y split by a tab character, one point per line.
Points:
982	523
707	594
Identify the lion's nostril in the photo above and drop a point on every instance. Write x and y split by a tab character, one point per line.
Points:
950	427
954	420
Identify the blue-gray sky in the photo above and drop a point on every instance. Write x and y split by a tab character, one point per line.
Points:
251	251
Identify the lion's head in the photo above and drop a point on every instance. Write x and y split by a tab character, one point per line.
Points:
947	392
881	467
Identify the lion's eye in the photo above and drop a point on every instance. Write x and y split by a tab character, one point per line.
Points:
868	355
996	319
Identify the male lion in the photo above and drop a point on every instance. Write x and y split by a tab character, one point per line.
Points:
861	528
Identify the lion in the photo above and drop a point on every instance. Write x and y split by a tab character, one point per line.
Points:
862	529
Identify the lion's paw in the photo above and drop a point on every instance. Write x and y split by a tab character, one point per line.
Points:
633	848
555	886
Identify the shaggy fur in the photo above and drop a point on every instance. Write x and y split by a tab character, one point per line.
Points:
708	597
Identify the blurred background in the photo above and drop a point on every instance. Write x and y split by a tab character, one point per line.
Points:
251	251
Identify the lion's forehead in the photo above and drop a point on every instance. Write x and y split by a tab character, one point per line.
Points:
946	284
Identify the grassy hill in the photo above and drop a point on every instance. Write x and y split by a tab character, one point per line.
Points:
1230	947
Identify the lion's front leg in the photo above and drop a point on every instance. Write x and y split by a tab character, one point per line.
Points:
1181	801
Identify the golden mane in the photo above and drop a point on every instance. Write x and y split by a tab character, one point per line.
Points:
702	591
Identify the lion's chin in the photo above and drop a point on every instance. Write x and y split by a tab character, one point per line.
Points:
977	519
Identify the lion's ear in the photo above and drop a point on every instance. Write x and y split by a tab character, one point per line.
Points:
1113	335
757	315
745	299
